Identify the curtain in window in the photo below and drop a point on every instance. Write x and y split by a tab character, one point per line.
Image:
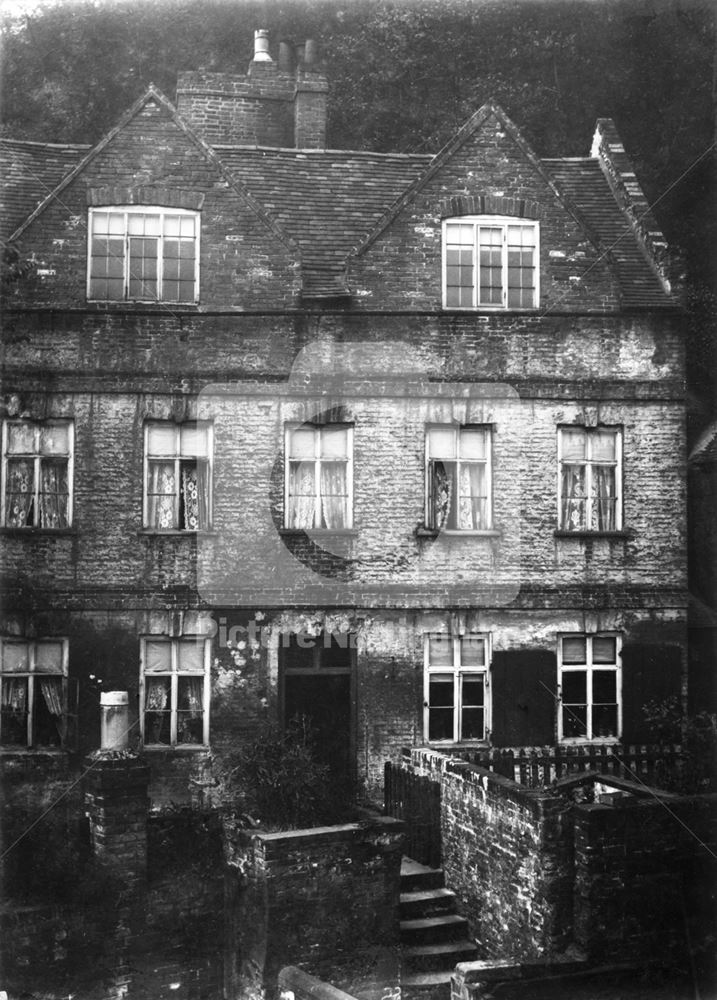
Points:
573	497
334	494
161	491
441	490
472	497
19	492
53	495
14	694
301	495
51	688
195	696
603	507
195	496
157	694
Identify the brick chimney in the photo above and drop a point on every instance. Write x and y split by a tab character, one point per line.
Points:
275	104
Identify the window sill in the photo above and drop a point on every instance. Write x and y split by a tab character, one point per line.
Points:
9	530
596	741
157	748
456	533
592	534
8	751
176	532
319	532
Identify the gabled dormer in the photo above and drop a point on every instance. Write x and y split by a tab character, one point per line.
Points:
150	217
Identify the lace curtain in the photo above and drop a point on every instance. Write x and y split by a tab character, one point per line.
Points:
469	514
334	494
160	499
19	493
157	694
195	496
14	694
53	495
576	513
301	495
472	504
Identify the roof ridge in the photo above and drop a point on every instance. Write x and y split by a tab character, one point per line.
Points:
46	145
321	152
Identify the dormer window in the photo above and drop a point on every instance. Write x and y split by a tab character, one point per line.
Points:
143	254
490	262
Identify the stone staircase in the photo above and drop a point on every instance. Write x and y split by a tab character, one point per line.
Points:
433	936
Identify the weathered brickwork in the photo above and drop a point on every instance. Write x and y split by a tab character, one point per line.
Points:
312	896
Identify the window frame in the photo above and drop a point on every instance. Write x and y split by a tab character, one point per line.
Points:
144	210
174	674
318	429
31	674
490	222
177	459
458	671
589	667
37	457
590	464
429	515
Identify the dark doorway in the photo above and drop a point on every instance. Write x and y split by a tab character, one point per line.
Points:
317	674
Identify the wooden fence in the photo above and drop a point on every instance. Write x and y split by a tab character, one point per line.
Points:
416	798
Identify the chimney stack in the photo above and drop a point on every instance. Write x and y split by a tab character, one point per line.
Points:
261	46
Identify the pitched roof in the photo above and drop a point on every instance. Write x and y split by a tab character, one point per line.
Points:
30	171
582	179
328	203
326	200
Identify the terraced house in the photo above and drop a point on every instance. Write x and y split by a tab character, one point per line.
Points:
395	441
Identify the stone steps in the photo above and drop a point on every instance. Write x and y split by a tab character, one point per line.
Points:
434	937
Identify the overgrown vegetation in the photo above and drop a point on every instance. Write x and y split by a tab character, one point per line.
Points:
695	770
276	781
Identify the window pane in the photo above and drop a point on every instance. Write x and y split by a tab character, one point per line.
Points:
20	439
171	225
603	446
13	723
20	508
472	727
473	443
162	439
472	651
135	224
604	721
48	657
472	506
440	713
47	720
15	657
334	495
302	443
54	439
190	655
193	441
334	442
473	691
575	721
574	685
574	650
186	225
440	724
443	502
440	650
604	649
157	656
116	223
442	442
190	710
157	717
572	445
604	687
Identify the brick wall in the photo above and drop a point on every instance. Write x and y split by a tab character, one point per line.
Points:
507	856
311	896
642	878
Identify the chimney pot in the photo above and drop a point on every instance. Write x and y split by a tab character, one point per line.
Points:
115	720
261	46
310	52
286	57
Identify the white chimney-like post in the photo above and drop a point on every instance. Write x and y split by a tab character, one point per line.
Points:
261	46
114	724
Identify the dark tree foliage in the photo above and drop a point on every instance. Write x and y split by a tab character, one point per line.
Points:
405	75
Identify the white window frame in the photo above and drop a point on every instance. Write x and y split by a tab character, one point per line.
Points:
37	458
457	430
590	464
144	210
458	672
589	667
504	223
318	430
177	458
174	674
31	675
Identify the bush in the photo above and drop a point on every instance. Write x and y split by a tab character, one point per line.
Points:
695	769
275	780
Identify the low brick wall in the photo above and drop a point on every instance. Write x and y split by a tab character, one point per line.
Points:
321	898
643	874
507	854
294	984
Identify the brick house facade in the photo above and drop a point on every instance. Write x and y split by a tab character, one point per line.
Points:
407	429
